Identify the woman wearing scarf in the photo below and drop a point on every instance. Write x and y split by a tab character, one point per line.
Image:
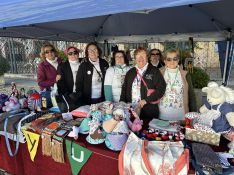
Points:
47	71
68	71
179	97
115	76
138	81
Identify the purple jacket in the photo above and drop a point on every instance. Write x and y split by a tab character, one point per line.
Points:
46	74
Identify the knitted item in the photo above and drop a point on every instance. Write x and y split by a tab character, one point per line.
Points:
46	143
57	149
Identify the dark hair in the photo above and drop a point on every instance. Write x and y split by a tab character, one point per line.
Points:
159	51
160	54
98	48
126	61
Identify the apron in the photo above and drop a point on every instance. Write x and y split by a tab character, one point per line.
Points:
118	78
208	117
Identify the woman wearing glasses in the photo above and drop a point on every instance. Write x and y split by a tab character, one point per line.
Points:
91	75
155	58
47	69
115	76
68	71
179	97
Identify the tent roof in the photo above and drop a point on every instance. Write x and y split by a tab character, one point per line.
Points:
117	21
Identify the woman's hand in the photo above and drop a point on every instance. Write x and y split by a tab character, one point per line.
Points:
142	103
58	77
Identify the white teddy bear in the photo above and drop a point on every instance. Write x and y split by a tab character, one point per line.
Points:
217	114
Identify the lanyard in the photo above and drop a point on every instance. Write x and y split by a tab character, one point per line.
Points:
172	84
99	73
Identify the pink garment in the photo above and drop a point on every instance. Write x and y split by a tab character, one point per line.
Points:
46	74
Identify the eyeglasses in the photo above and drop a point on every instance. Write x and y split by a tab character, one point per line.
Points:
154	54
49	51
172	59
119	56
72	53
92	50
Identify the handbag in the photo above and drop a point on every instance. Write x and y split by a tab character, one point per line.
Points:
206	158
149	91
142	157
12	122
67	103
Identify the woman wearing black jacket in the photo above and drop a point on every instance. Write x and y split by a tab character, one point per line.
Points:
91	75
135	91
67	72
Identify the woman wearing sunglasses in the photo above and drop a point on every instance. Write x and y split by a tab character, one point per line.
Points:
47	69
68	71
179	97
91	75
155	58
115	76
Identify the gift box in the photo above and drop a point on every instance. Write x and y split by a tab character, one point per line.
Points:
202	136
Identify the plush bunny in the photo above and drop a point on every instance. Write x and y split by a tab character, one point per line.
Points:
136	125
217	113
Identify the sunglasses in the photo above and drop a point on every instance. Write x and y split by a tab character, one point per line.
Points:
73	53
154	54
172	59
49	51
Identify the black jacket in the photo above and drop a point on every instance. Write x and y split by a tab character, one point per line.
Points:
84	80
66	83
154	80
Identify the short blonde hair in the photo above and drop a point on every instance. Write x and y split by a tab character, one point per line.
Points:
170	51
42	53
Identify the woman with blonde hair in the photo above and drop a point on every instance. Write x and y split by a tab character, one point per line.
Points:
47	69
179	97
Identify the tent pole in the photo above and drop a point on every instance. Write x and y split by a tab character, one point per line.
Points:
231	61
226	57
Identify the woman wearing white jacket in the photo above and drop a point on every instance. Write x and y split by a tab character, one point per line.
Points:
115	76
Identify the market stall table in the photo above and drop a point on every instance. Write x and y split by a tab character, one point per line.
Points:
102	161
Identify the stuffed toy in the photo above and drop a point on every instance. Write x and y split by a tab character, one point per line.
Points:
3	99
23	99
111	123
136	125
217	114
14	91
95	133
11	105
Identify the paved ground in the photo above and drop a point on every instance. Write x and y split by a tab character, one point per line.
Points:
20	82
